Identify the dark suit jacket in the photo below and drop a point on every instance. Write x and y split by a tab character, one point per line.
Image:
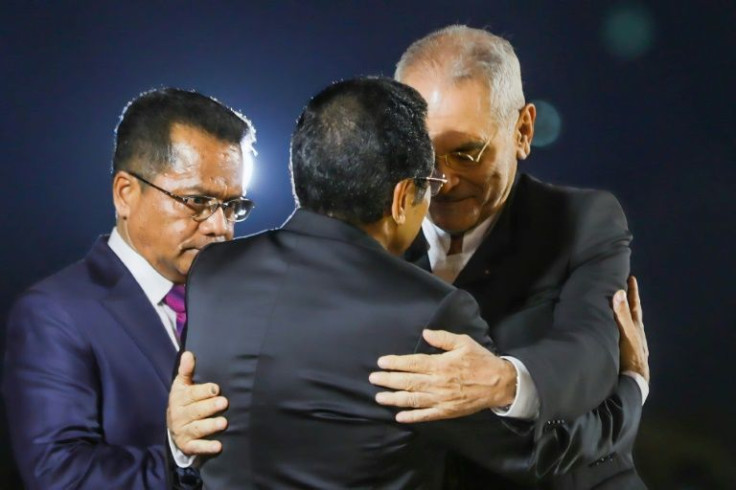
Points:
544	279
290	323
86	379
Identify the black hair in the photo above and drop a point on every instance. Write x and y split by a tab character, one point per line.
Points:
354	142
143	135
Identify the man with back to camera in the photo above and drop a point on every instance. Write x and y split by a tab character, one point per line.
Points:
289	322
542	261
91	349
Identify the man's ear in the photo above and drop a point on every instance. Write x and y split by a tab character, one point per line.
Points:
403	197
524	131
125	193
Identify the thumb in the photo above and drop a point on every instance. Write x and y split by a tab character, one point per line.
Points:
186	368
442	339
634	299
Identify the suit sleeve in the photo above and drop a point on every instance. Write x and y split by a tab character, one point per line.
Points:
52	392
575	365
513	448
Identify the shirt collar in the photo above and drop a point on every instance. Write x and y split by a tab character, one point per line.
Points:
439	240
154	285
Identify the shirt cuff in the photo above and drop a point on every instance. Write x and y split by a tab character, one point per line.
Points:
526	403
181	459
643	385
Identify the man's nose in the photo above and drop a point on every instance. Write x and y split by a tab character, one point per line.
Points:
217	224
450	174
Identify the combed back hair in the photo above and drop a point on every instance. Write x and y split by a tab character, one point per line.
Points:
143	135
459	52
353	143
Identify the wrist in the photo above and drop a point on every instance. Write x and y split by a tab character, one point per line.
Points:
512	382
504	392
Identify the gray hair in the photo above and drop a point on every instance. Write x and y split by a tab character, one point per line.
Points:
459	52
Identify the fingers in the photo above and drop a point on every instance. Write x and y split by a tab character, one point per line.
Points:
195	433
202	447
189	426
196	393
399	381
423	415
443	339
622	311
412	363
200	429
183	395
183	389
405	399
636	311
205	408
634	300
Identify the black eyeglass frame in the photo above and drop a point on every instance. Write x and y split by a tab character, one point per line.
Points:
212	203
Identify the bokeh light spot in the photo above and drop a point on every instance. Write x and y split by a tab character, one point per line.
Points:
548	125
628	31
248	164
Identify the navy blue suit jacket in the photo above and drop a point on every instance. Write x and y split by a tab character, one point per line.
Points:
87	373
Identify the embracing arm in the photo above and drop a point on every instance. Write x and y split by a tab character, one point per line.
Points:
500	445
52	392
575	364
193	413
614	423
516	450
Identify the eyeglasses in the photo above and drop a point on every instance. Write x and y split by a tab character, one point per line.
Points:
435	181
459	160
203	207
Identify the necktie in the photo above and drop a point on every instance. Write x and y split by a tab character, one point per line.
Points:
174	299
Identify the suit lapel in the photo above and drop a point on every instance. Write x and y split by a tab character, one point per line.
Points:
417	252
491	250
127	303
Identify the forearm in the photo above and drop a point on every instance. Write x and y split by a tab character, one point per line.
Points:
80	465
53	398
58	442
609	428
575	364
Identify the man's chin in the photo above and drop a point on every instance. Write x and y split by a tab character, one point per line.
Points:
185	261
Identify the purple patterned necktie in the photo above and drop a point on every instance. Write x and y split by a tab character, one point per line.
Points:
175	300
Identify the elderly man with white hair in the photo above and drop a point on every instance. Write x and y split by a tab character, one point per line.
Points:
543	261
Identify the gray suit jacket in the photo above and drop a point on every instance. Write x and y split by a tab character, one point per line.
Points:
544	278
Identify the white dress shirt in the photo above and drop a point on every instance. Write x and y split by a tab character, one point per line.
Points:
448	267
155	287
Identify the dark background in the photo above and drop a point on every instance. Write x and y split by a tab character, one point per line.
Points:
644	91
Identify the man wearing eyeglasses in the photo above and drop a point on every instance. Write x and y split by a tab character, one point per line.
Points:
91	349
289	322
542	261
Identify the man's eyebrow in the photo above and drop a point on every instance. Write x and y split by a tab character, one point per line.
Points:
197	190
